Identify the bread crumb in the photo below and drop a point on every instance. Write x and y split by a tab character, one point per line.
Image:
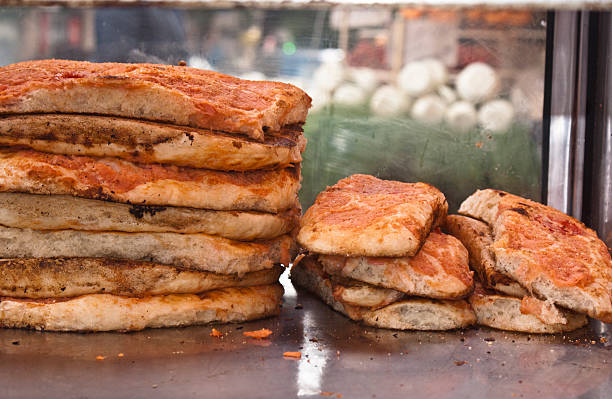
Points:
460	363
259	334
120	355
99	357
293	355
216	333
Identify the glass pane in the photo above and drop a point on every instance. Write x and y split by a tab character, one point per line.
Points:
449	97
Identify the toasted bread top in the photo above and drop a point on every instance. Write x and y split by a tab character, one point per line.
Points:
565	249
200	98
365	216
152	184
439	270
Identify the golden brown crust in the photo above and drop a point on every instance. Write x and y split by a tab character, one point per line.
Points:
150	142
439	270
191	251
152	184
365	216
404	314
476	237
182	95
103	312
69	277
61	212
509	313
546	251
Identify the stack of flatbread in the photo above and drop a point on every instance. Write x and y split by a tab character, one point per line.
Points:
539	270
138	195
376	255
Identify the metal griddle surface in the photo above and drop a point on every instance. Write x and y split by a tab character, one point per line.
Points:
339	359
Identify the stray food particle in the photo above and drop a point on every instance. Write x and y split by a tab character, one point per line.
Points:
323	393
460	363
489	339
299	306
216	333
99	357
182	63
313	340
293	355
479	144
259	334
603	340
154	386
120	355
338	395
593	342
17	342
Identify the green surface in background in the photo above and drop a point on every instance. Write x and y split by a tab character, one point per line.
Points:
344	141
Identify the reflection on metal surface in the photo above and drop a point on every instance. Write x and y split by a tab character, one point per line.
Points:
313	361
567	110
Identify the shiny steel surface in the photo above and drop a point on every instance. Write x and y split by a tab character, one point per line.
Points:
339	357
567	109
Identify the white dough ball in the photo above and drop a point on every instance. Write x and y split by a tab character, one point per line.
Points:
329	76
437	70
416	79
496	116
389	101
461	116
320	98
477	82
429	109
447	94
349	94
365	78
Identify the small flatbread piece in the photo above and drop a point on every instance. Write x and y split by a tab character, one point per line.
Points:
365	216
439	270
190	251
405	314
37	278
476	237
149	142
103	312
173	94
62	212
508	313
552	255
151	184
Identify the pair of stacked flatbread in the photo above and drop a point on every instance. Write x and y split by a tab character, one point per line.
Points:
375	254
538	269
138	195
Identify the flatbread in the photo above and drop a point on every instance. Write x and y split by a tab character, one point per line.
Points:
69	277
61	212
151	184
191	251
439	270
150	142
173	94
103	312
508	313
365	216
405	314
357	293
552	255
476	237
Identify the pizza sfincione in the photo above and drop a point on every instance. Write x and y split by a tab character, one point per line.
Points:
152	184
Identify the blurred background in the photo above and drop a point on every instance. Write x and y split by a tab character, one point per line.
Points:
449	97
